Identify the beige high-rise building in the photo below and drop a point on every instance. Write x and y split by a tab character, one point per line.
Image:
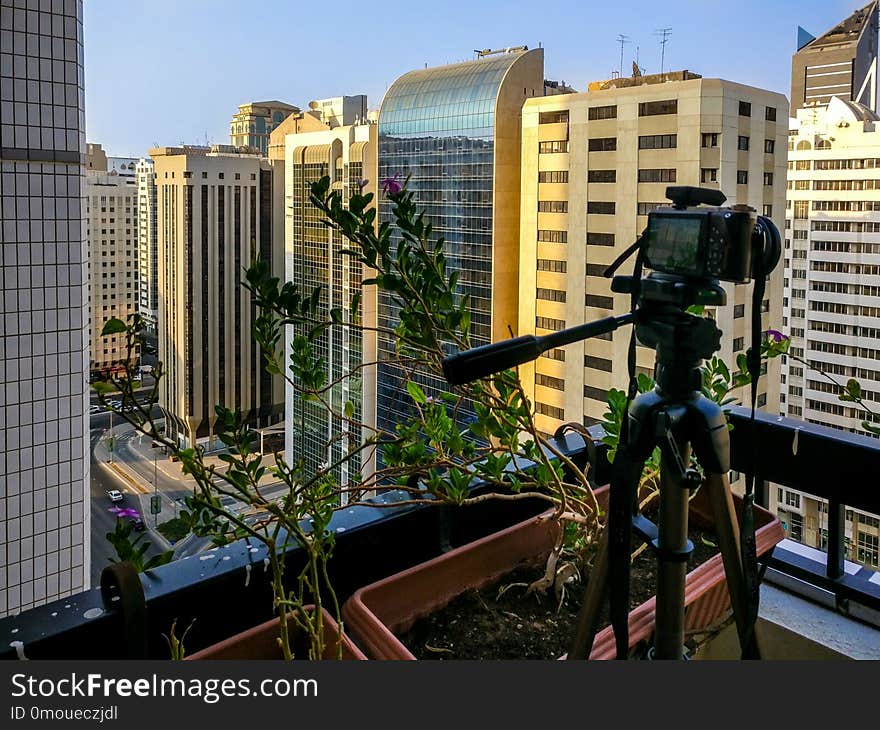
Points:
252	124
111	232
147	228
314	258
214	213
593	165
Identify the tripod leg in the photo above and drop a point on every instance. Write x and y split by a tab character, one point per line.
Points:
588	616
728	539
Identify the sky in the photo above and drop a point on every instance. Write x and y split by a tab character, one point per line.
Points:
166	72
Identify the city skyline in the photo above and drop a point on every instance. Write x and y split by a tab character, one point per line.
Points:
365	62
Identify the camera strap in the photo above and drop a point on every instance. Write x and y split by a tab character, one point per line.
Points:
625	482
748	543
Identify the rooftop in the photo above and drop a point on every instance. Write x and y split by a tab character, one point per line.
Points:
848	31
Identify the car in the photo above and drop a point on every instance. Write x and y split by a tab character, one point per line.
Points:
95	409
138	524
115	495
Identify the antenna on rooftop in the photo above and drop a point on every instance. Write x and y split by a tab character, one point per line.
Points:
622	40
664	34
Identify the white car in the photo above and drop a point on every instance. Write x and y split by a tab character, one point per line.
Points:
95	409
115	495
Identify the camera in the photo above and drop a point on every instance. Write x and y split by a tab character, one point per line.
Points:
708	242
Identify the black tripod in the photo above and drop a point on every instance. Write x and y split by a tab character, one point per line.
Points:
676	417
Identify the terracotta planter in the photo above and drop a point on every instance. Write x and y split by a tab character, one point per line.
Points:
261	642
377	613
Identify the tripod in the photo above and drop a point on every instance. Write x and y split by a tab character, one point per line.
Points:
676	417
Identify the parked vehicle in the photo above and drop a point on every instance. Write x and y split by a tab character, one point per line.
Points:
115	495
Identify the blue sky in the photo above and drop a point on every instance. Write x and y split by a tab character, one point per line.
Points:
171	71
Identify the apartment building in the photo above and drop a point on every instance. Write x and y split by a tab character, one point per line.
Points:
252	124
314	258
594	165
111	232
147	243
44	350
832	294
214	214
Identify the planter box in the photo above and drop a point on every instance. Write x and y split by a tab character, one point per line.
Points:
375	614
261	642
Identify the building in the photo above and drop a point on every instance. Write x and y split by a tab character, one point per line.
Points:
147	242
841	63
341	111
253	123
44	446
455	132
314	258
594	165
214	212
832	294
111	232
96	158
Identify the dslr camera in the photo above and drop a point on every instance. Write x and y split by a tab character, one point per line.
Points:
708	242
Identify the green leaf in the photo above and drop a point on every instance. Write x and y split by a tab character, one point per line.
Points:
113	326
416	393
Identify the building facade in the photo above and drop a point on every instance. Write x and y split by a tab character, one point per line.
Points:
214	213
111	232
314	258
454	132
832	294
340	111
840	63
252	124
44	351
147	243
594	165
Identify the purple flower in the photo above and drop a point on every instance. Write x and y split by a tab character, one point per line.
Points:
776	336
392	185
361	182
124	512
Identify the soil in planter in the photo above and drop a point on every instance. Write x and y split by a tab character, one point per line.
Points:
481	625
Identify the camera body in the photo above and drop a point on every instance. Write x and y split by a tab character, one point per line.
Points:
701	243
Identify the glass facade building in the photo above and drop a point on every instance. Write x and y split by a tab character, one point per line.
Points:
454	131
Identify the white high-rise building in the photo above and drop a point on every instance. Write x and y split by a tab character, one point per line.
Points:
44	465
147	240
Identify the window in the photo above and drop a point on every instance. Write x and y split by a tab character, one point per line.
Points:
187	173
709	174
656	175
595	300
238	176
601	207
710	139
645	208
769	146
768	211
602	112
795	527
553	117
742	177
556	145
738	344
556	353
596	269
552	411
770	113
595	393
553	176
801	209
221	176
602	144
868	549
602	176
658	141
745	109
548	236
550	295
549	323
654	108
600	239
553	206
742	143
598	363
739	310
549	382
552	265
762	400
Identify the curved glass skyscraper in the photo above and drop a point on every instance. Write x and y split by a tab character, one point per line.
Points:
455	131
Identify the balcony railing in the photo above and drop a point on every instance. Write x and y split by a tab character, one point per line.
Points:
225	589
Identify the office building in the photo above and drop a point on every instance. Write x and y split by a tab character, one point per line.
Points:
455	132
841	63
111	232
832	295
44	351
594	165
253	123
214	213
147	243
340	111
314	258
